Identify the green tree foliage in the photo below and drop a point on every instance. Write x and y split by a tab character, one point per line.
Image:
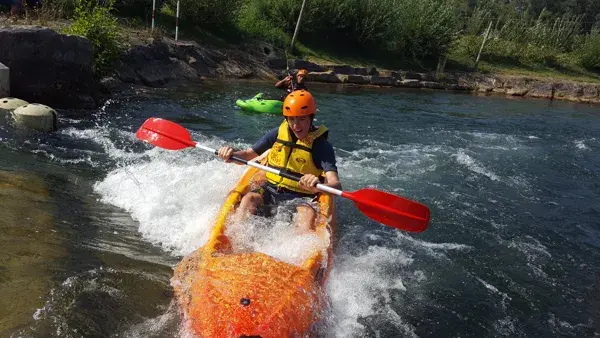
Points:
213	15
409	29
95	22
590	52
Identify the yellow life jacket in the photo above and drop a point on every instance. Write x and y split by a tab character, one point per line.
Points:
294	157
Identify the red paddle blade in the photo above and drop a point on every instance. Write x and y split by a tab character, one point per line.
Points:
395	211
165	134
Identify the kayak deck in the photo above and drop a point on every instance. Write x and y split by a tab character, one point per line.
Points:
259	105
227	294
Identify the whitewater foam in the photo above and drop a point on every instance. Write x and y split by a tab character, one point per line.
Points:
474	166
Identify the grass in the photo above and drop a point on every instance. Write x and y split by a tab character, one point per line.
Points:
565	70
572	73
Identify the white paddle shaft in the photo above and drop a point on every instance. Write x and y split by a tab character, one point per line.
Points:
319	186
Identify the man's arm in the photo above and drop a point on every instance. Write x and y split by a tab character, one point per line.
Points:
284	83
332	180
265	142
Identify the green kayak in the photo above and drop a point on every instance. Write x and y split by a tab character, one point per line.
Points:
259	105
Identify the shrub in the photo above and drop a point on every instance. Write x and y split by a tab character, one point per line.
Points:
213	15
95	22
589	54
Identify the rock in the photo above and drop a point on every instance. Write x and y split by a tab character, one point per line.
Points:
432	85
125	72
543	90
366	71
359	79
411	83
36	116
11	103
47	66
328	77
411	76
157	50
234	69
385	73
477	82
343	69
372	71
183	70
513	86
194	55
382	80
456	86
155	73
264	49
342	77
515	91
568	91
361	71
589	93
303	64
277	63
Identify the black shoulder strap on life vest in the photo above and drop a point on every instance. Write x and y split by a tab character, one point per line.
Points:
293	145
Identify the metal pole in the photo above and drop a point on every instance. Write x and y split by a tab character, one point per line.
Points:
153	12
297	25
177	22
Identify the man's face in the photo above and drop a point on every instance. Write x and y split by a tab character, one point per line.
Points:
300	78
300	125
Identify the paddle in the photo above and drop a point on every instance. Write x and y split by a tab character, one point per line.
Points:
392	210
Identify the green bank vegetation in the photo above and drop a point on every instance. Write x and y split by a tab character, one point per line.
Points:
96	23
547	37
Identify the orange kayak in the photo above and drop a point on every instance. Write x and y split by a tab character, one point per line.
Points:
227	294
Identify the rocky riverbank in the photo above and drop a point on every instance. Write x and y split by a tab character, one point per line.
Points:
56	69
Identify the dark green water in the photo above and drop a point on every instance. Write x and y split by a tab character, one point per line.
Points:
93	220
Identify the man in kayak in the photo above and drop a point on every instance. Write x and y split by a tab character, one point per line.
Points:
298	147
290	83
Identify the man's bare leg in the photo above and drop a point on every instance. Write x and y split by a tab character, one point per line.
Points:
248	205
304	219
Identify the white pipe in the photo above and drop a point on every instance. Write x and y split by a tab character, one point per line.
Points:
297	25
153	12
177	22
210	150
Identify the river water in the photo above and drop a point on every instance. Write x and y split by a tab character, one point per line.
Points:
93	220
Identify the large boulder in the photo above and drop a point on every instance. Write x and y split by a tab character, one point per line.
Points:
49	67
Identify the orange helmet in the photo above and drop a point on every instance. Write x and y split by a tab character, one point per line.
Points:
299	103
302	72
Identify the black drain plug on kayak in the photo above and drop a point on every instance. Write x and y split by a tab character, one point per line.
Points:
245	301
